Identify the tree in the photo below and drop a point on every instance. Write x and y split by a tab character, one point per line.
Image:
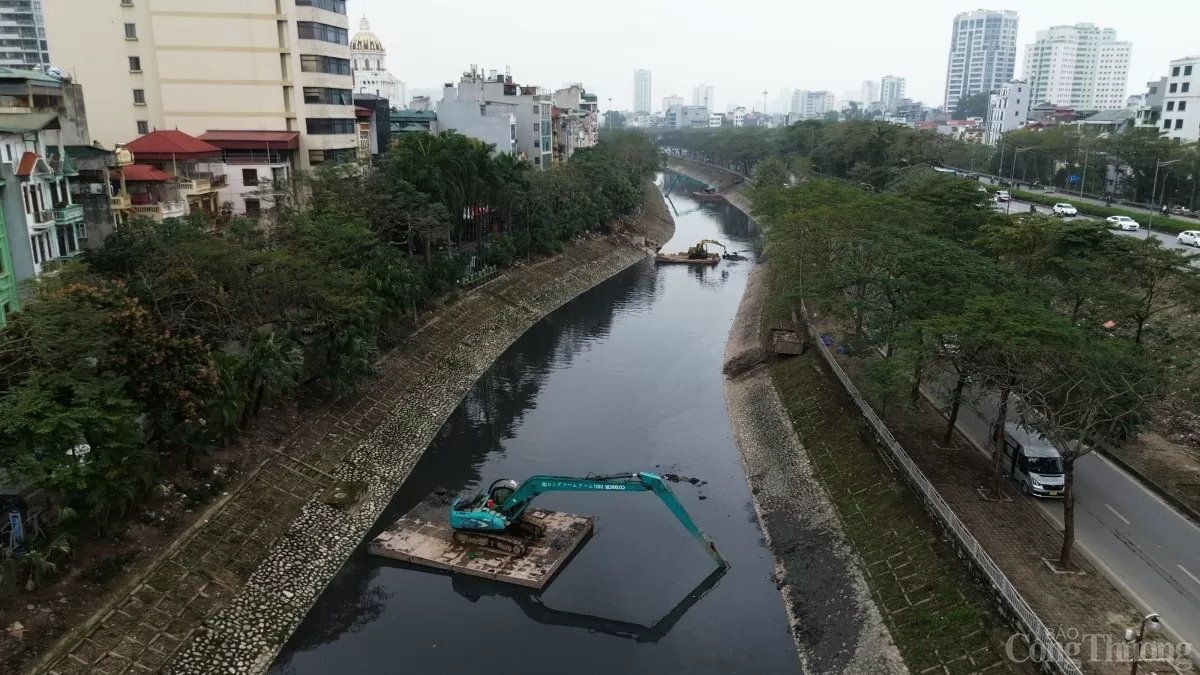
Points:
1156	279
972	106
1092	394
771	173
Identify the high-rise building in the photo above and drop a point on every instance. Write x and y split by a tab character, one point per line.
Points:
1181	102
891	91
273	65
671	101
24	44
870	92
811	104
705	96
785	101
641	91
368	60
983	53
1080	66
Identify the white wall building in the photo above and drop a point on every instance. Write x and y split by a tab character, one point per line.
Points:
891	91
705	96
687	117
870	92
1008	109
494	123
533	109
368	59
195	66
1181	101
812	104
641	91
1080	66
983	54
715	119
1149	111
576	121
670	102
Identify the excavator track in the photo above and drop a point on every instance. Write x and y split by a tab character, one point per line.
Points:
504	544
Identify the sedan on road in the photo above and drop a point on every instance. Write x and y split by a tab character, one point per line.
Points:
1003	196
1065	210
1189	238
1123	223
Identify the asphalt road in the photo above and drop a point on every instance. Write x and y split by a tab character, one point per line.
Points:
1068	197
1147	548
1168	240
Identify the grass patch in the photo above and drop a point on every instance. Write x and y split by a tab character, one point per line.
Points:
932	607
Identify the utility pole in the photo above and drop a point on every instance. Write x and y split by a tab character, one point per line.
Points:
1153	189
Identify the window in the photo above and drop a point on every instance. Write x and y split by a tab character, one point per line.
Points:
143	127
127	3
1182	106
253	207
1175	71
324	126
131	31
81	231
311	30
249	176
339	156
1166	124
135	64
1153	90
1179	124
328	96
313	63
8	152
1185	87
1170	105
139	97
1187	70
335	6
1173	88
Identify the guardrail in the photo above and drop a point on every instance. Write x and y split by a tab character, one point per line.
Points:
1035	629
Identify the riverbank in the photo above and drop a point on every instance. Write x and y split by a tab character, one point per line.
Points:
836	625
731	186
226	596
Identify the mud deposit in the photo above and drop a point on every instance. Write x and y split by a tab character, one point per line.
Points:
627	377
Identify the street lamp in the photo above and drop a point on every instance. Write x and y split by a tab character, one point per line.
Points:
1012	176
1137	643
1153	189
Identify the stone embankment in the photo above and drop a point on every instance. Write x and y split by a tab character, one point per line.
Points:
730	185
227	595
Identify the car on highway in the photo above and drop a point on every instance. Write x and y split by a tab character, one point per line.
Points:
1065	210
1123	223
1189	238
1003	196
1031	460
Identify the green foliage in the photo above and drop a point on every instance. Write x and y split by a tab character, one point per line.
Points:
972	106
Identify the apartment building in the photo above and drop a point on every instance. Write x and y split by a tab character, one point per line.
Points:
1008	109
1149	109
671	101
531	108
812	104
1181	101
41	221
262	65
983	54
870	92
891	92
22	35
705	96
1080	66
641	91
576	121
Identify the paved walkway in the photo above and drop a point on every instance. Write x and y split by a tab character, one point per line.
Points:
232	589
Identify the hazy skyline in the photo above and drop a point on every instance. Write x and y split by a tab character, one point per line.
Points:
764	46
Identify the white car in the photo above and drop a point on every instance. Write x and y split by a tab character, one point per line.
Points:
1189	238
1003	196
1065	210
1123	223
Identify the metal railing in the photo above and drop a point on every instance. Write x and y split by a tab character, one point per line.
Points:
68	214
1037	631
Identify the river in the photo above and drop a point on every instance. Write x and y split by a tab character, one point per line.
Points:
626	377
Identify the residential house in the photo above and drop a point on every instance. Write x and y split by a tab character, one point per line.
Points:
575	122
413	121
194	165
260	166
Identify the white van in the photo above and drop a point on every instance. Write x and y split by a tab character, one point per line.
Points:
1032	461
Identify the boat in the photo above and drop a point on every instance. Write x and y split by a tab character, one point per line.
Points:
685	259
709	194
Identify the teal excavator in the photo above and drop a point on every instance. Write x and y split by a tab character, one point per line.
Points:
495	519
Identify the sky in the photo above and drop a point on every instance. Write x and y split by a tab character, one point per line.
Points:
740	49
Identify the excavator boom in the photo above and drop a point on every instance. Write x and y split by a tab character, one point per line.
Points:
505	506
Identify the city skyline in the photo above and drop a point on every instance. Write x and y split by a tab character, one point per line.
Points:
683	57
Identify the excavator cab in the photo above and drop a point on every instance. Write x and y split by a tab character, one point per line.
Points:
502	489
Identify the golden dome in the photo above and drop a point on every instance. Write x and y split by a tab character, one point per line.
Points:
364	40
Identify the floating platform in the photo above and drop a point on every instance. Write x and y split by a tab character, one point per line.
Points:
683	259
707	197
423	537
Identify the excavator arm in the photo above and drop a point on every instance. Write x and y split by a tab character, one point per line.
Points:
513	505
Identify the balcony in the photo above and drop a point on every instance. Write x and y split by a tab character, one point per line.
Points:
42	219
200	185
120	202
68	214
161	211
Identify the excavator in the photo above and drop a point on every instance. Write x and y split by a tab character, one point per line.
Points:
490	519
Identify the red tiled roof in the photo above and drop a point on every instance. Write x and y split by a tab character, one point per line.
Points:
364	112
144	173
233	139
28	161
172	144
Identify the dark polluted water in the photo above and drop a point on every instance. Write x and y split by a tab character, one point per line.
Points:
627	377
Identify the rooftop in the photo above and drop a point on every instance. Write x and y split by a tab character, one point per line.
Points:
236	139
7	73
173	145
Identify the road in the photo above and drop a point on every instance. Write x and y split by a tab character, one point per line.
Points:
1168	240
1142	544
